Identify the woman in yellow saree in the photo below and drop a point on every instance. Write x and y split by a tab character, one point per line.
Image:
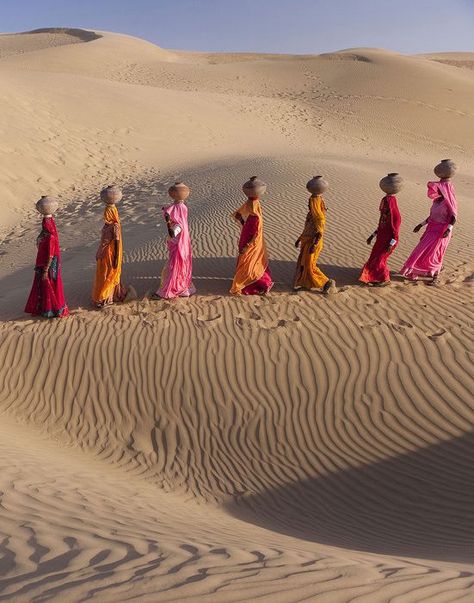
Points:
107	287
308	275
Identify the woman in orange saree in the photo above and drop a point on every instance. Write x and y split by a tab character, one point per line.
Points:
107	287
308	275
252	276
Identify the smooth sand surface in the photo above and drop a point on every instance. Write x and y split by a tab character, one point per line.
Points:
297	447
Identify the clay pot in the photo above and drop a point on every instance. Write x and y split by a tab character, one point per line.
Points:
391	184
179	191
317	185
446	169
254	187
111	195
47	205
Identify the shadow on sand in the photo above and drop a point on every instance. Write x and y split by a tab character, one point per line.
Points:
420	504
212	276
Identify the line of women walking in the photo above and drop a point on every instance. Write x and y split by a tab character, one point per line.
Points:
252	275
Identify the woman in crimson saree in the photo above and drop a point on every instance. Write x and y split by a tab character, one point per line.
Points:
252	275
376	271
47	295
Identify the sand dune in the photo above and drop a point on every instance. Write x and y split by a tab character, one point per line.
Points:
289	448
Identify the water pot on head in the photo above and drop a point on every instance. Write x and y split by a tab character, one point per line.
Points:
254	187
445	169
179	191
111	194
317	185
47	205
391	184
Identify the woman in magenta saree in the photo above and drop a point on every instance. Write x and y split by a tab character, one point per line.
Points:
427	257
176	278
375	271
47	296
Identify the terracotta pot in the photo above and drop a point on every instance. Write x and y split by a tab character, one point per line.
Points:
47	205
391	184
317	185
179	191
445	169
111	195
254	187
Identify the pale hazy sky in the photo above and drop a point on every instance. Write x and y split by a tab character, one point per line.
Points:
288	26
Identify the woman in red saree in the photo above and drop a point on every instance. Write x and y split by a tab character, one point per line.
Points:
47	295
375	271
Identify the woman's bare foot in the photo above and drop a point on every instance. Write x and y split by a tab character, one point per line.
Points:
330	284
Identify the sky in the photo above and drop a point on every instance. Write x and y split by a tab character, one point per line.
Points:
281	26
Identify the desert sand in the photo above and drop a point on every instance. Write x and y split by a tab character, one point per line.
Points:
297	447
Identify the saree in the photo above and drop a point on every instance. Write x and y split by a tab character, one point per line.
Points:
252	275
176	277
47	294
107	286
376	270
308	274
428	256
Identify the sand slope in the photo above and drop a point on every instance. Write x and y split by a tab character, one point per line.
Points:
292	448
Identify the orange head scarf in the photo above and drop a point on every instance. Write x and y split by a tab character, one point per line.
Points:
317	210
111	215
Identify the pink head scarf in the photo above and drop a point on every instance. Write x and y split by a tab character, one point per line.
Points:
445	189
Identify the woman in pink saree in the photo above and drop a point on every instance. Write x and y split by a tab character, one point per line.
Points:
176	277
427	257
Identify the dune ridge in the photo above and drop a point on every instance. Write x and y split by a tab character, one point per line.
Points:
290	448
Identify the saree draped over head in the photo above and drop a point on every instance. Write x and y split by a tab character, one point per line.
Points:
376	269
252	275
427	257
107	286
308	274
47	294
176	278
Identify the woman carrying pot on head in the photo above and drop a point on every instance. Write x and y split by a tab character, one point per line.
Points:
308	275
427	257
177	274
376	272
47	295
108	287
252	275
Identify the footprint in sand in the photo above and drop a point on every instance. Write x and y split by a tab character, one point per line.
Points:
437	334
401	326
208	322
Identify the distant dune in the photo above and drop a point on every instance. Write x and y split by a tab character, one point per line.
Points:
289	448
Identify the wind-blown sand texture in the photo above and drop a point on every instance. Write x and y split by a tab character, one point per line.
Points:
290	448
